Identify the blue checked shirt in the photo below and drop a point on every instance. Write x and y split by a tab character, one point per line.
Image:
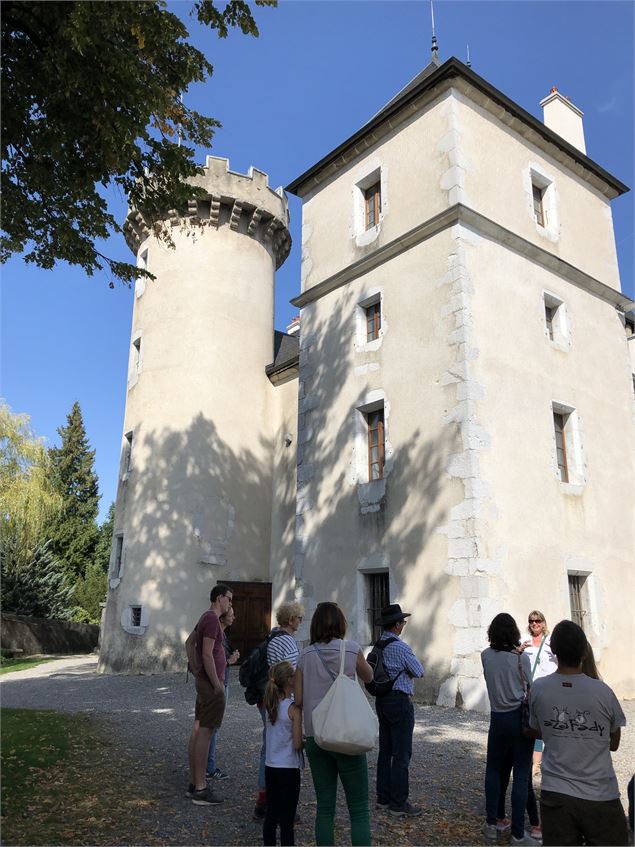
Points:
399	659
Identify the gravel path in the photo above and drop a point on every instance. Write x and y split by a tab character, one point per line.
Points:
151	717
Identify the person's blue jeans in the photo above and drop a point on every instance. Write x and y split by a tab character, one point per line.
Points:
396	724
262	783
505	739
211	756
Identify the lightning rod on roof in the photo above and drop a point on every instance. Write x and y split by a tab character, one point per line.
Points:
468	63
435	46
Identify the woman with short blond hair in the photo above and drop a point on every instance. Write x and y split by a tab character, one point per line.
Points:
288	611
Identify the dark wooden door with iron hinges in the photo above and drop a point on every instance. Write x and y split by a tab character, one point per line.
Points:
252	608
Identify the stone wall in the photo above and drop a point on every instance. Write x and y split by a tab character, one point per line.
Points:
39	635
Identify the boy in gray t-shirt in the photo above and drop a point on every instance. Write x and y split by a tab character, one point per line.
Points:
579	719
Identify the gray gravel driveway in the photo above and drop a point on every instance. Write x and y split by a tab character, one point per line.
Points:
151	717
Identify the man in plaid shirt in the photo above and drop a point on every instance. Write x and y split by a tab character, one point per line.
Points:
396	716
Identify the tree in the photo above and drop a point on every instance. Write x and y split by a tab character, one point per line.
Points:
104	542
90	592
28	498
114	115
74	532
32	582
40	588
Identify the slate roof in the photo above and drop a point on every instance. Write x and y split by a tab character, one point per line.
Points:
286	352
430	76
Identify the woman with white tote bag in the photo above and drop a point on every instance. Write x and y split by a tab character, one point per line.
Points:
317	669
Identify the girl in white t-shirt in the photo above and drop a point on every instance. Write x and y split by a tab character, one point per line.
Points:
283	757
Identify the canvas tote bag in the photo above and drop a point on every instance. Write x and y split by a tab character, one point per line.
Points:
343	720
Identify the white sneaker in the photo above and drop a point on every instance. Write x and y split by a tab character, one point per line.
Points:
526	839
490	832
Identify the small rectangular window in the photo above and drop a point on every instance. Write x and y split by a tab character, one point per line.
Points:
539	213
135	615
549	316
578	599
118	554
378	596
137	356
376	444
128	460
556	320
372	205
373	321
559	423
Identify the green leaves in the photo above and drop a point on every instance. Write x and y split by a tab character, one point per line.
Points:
91	97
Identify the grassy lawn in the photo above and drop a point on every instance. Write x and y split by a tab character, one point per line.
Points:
8	665
61	783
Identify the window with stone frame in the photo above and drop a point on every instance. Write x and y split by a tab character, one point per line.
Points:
373	320
377	596
539	210
128	448
376	444
118	562
579	599
559	424
372	205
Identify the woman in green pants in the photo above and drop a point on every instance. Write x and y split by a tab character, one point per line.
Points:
317	668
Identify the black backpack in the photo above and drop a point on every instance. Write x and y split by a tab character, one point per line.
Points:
381	683
254	671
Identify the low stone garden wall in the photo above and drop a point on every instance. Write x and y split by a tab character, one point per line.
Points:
26	636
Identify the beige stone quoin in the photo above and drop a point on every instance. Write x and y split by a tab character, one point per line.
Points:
493	261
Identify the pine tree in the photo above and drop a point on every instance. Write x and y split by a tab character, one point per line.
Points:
104	543
75	533
39	589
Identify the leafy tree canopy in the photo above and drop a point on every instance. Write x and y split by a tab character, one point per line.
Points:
91	97
74	533
28	498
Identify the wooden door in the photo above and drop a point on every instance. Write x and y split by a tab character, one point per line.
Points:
252	608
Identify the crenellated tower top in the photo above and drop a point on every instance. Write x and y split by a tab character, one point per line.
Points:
244	202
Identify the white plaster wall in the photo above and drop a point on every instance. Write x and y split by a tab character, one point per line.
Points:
455	151
285	440
196	507
335	539
498	184
539	528
412	167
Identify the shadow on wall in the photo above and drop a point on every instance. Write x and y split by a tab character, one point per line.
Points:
196	509
333	536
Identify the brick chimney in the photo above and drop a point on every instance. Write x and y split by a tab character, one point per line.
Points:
560	115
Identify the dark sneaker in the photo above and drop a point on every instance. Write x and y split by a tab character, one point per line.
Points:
190	789
382	805
217	774
205	797
260	811
406	811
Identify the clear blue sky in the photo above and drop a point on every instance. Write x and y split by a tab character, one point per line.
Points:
317	73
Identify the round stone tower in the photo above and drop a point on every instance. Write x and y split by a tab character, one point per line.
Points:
195	483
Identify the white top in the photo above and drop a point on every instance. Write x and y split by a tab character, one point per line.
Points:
576	715
502	677
282	648
279	744
547	662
